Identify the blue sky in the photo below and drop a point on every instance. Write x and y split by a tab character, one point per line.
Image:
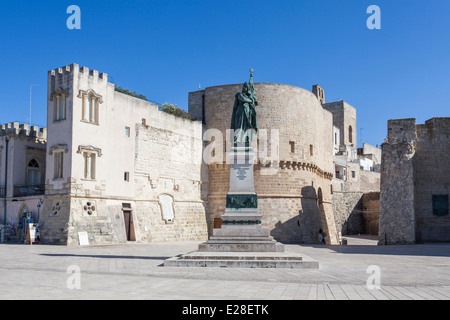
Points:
165	49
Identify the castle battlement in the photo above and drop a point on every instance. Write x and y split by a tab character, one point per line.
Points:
75	68
406	130
16	129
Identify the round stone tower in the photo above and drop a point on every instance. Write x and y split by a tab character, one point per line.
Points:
295	165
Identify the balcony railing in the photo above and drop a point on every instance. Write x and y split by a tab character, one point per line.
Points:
26	191
2	191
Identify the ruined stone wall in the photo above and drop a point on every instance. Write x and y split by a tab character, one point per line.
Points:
432	177
348	212
397	210
414	169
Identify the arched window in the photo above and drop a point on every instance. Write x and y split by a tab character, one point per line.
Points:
33	164
350	134
90	106
33	173
59	98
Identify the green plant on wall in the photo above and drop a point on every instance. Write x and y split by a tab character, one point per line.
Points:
128	92
175	110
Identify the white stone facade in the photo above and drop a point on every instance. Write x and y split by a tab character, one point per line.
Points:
107	161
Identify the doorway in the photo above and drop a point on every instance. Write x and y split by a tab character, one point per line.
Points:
323	217
128	220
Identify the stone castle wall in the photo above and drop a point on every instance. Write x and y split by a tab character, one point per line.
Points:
397	211
289	199
347	212
432	177
414	169
169	162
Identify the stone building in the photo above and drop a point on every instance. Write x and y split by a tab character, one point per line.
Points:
118	169
318	180
415	182
22	178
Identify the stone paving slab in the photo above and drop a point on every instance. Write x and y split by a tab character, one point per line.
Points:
135	271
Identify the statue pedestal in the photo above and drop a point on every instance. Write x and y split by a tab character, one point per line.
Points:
241	223
242	242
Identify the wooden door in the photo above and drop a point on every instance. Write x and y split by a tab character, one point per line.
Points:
217	223
129	226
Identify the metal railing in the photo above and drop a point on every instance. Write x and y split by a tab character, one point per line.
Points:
26	191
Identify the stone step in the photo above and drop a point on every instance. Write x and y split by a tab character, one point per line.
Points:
252	258
226	239
242	260
240	264
241	246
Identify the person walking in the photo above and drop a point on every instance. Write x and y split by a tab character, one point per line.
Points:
322	237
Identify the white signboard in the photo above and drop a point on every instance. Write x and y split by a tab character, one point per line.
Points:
83	238
32	230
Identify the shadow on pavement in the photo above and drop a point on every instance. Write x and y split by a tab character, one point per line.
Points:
368	245
103	256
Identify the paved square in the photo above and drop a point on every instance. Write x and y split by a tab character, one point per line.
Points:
134	271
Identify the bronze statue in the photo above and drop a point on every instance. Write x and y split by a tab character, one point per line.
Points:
243	120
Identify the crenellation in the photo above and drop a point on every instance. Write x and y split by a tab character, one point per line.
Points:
93	73
16	129
402	130
24	129
84	70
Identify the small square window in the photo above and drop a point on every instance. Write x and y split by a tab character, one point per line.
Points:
353	174
126	176
292	145
311	149
144	121
127	131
